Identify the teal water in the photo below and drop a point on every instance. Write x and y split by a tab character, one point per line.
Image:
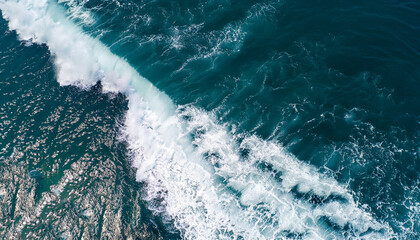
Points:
60	152
335	83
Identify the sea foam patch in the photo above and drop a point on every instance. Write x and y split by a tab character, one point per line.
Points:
211	182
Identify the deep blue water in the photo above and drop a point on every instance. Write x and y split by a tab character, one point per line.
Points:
337	83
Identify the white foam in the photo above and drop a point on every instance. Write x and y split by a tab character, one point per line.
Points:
212	183
76	11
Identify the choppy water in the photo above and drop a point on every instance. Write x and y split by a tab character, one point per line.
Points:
209	119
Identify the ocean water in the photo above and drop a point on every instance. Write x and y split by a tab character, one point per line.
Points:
209	119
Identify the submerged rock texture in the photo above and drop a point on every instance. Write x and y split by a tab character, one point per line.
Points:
63	170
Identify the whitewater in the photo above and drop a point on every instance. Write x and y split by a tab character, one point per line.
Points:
209	180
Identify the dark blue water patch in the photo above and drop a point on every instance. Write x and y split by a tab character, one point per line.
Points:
316	199
269	168
328	223
293	235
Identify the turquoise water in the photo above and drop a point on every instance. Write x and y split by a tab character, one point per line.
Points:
254	119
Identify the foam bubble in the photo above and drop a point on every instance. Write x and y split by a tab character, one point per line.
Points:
77	12
212	183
